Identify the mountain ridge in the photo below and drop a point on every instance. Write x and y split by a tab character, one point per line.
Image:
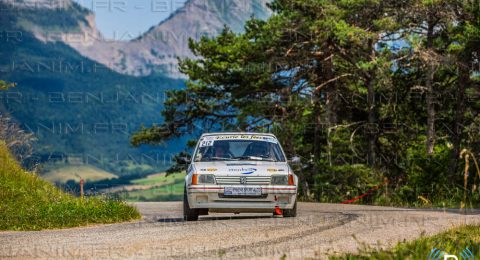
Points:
155	51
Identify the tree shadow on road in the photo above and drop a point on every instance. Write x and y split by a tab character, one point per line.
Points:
210	218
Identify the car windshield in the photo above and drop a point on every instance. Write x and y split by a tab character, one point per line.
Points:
229	148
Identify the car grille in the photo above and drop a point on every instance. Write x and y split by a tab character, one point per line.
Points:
250	180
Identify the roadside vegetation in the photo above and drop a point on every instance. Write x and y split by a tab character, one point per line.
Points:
30	203
452	242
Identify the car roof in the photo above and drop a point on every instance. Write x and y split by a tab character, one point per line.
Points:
238	133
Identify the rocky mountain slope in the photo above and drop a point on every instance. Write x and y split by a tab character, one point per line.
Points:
156	51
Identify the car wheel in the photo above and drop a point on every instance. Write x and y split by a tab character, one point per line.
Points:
188	213
289	213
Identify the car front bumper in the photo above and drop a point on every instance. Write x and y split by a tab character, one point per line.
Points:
212	197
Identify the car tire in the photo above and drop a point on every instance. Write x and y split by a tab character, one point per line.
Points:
290	213
188	213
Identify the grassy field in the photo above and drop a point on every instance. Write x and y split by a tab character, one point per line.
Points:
160	179
87	172
452	242
30	203
158	187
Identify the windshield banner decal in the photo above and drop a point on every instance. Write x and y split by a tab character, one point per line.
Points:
239	137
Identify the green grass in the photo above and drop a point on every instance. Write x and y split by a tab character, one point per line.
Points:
30	203
158	179
170	192
164	188
87	172
453	241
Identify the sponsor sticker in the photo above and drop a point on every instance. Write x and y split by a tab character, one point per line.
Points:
209	170
243	170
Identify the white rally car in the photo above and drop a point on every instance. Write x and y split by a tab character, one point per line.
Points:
237	173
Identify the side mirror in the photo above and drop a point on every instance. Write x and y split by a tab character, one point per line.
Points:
295	160
183	160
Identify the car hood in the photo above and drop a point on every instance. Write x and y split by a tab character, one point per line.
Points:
241	168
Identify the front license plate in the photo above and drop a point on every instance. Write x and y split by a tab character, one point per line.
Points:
242	191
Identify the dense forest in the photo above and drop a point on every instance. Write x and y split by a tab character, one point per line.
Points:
363	91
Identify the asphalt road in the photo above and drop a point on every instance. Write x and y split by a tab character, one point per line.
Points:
319	230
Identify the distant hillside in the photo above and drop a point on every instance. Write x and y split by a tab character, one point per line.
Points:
157	50
80	111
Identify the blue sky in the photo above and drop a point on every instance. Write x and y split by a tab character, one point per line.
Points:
127	19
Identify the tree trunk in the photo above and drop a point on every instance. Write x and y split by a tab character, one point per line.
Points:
331	105
463	81
372	118
430	99
318	128
317	138
332	119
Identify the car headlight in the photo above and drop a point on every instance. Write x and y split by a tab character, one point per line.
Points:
279	180
206	179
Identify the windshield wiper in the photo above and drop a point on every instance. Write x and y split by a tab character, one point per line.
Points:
254	158
220	159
